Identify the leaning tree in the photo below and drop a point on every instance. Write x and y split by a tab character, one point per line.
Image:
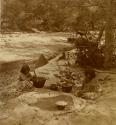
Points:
109	33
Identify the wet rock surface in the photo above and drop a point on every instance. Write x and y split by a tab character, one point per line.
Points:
22	104
37	106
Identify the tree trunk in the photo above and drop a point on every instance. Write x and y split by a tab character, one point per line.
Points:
109	37
0	14
100	34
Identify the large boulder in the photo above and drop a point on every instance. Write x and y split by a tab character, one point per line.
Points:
38	108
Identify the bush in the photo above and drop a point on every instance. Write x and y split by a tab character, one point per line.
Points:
89	54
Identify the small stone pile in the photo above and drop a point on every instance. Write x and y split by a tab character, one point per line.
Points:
81	84
69	77
68	81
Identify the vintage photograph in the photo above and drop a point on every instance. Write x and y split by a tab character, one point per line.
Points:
57	62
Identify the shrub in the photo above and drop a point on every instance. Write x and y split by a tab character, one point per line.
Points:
89	54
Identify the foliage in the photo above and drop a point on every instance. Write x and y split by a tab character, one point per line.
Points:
53	15
89	54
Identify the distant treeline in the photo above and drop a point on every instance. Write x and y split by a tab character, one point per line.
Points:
51	15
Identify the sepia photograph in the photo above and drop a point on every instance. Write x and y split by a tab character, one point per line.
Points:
57	62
